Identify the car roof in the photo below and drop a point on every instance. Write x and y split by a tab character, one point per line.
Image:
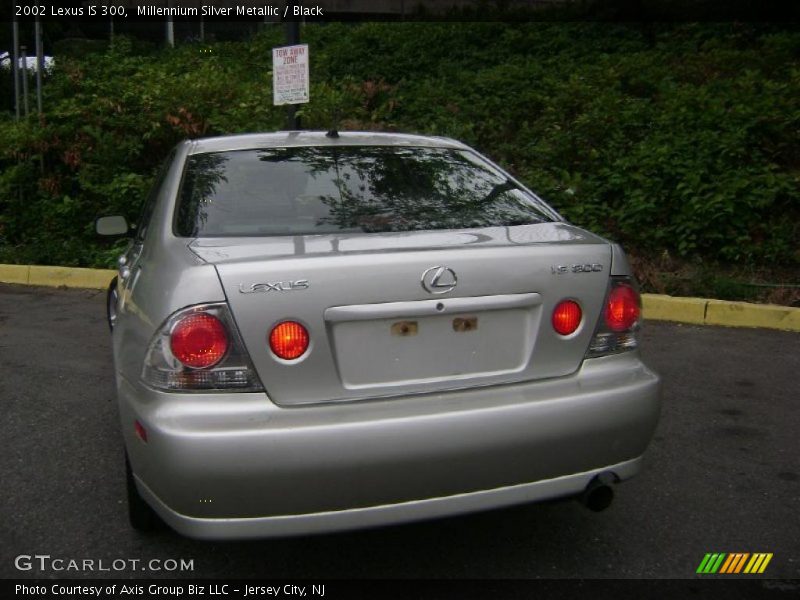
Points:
283	139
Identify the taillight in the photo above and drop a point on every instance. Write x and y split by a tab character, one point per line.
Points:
567	317
622	308
289	340
199	341
199	348
619	320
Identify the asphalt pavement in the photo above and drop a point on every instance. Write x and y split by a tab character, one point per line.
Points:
722	473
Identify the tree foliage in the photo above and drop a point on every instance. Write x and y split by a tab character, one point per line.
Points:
678	138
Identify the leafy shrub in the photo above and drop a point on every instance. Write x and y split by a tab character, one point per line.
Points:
677	138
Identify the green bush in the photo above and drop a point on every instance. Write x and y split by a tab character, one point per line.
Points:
669	138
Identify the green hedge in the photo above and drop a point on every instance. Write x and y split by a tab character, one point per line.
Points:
680	139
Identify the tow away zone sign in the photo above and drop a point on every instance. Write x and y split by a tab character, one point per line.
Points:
290	75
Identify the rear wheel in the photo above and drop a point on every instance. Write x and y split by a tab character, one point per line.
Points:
111	303
141	516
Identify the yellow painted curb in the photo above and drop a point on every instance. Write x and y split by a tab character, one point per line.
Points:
71	277
657	307
660	307
743	314
14	273
56	276
702	311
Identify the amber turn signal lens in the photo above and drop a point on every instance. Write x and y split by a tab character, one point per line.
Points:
289	340
567	317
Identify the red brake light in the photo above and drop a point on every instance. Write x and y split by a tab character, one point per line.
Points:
567	317
199	340
622	310
289	340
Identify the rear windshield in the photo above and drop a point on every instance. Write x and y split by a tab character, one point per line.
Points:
318	190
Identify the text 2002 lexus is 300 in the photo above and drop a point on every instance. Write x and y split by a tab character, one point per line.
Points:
317	332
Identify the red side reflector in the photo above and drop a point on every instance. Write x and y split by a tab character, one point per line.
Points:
199	341
289	340
567	317
622	310
140	431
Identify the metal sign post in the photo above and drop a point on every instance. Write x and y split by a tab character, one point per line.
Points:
25	80
170	28
15	66
39	63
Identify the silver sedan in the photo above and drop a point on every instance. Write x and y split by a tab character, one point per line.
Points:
317	332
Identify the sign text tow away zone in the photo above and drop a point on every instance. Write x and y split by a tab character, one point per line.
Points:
290	83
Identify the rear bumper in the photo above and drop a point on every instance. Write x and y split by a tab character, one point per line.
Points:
236	466
404	512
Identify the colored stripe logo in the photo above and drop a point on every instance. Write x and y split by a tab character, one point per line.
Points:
734	563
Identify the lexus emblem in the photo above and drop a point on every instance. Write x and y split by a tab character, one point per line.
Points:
439	280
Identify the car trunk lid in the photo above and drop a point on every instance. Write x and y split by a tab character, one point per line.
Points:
400	313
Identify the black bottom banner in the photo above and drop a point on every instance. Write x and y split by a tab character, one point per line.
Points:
118	589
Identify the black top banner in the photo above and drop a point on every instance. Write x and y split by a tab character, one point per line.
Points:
424	10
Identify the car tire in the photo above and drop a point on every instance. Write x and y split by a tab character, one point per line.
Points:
111	303
140	515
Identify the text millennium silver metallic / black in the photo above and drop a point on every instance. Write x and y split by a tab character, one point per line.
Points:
208	10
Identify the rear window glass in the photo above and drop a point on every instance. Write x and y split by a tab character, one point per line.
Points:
318	190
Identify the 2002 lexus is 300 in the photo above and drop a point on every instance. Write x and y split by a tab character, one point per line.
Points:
317	332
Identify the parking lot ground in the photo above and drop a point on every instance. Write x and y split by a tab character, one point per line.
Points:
722	473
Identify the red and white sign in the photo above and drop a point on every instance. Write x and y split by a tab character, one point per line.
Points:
290	83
